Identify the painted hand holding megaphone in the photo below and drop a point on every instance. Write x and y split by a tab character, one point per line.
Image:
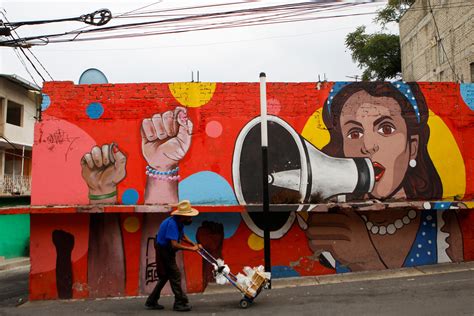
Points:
378	149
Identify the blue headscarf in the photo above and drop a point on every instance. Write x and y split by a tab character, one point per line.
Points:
401	86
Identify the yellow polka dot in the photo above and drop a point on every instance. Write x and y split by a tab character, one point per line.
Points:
447	158
192	94
469	204
315	130
131	224
255	242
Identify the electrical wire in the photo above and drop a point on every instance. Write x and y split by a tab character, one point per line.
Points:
200	45
24	64
24	53
261	16
31	63
206	28
451	5
440	41
15	155
42	66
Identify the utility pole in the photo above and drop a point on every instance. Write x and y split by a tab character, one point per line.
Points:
266	203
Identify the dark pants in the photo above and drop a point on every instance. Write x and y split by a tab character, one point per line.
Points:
167	271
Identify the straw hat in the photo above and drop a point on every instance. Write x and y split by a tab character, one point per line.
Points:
184	209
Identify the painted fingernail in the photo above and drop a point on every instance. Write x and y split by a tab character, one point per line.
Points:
183	116
115	149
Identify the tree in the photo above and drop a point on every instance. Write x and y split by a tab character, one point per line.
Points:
379	53
393	11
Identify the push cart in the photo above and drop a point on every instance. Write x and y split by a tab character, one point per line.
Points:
258	280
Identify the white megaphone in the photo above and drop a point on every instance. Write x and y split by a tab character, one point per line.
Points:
296	168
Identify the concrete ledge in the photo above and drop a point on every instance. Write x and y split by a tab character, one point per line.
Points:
13	263
354	277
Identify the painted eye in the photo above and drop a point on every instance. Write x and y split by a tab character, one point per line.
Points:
386	129
355	134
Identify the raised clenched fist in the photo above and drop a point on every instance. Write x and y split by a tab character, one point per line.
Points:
103	168
166	138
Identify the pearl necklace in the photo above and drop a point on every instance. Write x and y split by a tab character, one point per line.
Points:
390	228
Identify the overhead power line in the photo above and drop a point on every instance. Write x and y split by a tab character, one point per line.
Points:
22	50
440	42
99	17
262	15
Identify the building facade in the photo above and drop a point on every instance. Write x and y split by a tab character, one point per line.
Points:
18	112
438	46
110	160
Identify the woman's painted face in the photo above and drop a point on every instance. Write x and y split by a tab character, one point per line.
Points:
373	127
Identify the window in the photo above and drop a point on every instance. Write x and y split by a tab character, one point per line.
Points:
14	113
2	104
472	72
441	56
12	162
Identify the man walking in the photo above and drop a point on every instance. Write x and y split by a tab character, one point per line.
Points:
169	240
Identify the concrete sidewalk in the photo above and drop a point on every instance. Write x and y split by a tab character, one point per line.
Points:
435	290
13	263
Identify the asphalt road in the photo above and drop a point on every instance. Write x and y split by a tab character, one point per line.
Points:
13	287
436	294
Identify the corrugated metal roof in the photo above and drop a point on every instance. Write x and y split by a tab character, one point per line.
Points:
19	80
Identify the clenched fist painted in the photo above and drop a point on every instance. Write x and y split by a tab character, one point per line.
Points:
103	168
166	138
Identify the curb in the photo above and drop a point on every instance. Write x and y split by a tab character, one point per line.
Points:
10	264
353	277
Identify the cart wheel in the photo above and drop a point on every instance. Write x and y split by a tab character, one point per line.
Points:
244	303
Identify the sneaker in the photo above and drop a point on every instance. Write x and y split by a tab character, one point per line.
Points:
153	306
182	308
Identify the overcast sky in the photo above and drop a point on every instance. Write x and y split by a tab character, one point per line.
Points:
291	52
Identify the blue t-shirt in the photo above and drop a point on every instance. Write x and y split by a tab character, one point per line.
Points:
170	229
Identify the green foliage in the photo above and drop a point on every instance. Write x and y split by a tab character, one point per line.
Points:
378	54
393	11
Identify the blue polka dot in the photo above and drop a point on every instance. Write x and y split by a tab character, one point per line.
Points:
283	272
423	240
95	110
45	102
467	93
130	197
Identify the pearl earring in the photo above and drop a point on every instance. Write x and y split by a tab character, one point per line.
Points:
412	163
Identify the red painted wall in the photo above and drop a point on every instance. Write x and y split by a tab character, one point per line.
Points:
90	254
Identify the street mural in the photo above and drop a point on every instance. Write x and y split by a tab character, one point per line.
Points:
387	123
116	155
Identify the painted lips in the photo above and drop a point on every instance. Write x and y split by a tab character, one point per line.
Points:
379	170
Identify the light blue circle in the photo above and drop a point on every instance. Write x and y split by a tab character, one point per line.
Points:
95	110
207	188
467	94
45	102
130	197
284	272
230	222
441	205
93	76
